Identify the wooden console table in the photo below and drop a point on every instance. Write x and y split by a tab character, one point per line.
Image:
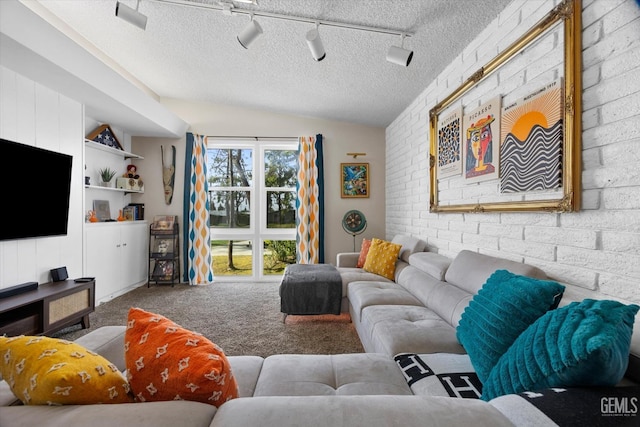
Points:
51	307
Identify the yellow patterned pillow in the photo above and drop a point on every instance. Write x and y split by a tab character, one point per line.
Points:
382	258
50	371
168	362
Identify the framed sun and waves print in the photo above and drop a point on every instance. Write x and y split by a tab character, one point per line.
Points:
517	144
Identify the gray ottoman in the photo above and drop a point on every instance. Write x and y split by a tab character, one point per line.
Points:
308	289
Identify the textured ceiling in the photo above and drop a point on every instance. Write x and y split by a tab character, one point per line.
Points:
192	53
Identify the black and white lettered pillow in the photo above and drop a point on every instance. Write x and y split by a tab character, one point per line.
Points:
440	374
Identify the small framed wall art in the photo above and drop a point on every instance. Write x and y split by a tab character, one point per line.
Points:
354	180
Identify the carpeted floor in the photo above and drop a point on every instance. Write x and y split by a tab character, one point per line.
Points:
242	318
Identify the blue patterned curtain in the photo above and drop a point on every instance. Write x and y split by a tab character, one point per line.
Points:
198	270
310	201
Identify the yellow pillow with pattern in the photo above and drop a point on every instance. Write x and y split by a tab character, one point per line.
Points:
49	371
382	258
167	362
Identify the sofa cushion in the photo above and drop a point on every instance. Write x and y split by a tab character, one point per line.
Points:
364	294
50	371
321	374
470	270
357	411
167	362
108	342
409	245
505	306
381	258
364	251
246	370
581	344
394	329
151	414
431	263
440	374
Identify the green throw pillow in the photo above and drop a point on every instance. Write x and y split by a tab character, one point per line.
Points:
581	344
501	310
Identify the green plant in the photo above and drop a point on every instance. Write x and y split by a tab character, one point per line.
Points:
107	174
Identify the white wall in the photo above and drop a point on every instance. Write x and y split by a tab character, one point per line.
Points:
34	115
597	248
339	138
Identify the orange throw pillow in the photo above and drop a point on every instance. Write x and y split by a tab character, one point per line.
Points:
167	362
364	250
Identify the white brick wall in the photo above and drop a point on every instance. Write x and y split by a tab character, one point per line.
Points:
597	248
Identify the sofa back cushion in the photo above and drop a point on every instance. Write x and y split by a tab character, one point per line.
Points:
410	245
434	264
470	270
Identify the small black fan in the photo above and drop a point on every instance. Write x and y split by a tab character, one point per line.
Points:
354	222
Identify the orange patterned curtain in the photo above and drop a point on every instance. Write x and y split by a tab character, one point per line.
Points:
196	213
310	201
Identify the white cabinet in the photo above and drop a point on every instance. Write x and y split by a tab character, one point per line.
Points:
116	255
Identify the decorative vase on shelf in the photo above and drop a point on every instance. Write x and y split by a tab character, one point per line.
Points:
120	216
93	217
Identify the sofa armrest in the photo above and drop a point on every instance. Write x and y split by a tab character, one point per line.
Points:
347	259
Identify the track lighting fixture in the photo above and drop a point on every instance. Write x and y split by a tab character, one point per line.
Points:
130	15
399	55
315	44
249	33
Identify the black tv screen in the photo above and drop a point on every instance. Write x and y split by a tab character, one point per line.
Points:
35	191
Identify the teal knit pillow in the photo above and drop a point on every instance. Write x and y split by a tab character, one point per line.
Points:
501	310
581	344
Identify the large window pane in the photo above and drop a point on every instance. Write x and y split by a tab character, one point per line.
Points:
232	257
229	167
280	168
277	254
281	209
229	209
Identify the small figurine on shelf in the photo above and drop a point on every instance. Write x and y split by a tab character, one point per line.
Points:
132	172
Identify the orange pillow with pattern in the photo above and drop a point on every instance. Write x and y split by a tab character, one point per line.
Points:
364	250
168	362
382	258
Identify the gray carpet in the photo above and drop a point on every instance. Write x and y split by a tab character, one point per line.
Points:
242	318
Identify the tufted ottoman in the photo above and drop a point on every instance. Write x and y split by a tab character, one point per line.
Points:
322	375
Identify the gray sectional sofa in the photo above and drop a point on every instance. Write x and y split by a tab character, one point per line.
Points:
400	323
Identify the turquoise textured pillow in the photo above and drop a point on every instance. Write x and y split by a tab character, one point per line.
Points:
581	344
501	310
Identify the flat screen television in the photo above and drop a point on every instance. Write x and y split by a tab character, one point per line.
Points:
35	191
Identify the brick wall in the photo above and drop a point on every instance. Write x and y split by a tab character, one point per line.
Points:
597	248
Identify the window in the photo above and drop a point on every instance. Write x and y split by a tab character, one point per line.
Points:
252	196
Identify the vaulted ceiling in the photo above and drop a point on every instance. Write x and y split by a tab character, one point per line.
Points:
192	53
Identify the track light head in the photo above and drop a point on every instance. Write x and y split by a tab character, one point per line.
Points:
249	34
399	56
315	45
131	15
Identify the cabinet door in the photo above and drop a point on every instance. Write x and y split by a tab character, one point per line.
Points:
134	253
103	254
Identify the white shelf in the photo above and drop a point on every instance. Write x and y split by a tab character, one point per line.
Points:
106	148
121	190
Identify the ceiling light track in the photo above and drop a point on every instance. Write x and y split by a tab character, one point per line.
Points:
228	7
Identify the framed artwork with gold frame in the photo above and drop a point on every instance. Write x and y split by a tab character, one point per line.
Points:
546	60
354	180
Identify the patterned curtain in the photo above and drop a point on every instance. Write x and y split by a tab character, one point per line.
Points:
197	243
310	201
